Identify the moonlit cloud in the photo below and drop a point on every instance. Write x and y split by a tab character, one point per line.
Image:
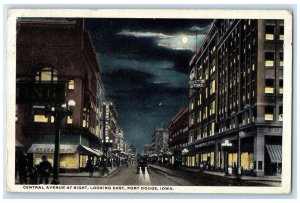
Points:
202	30
175	42
143	34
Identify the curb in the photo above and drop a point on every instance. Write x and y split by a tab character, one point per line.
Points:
229	177
95	176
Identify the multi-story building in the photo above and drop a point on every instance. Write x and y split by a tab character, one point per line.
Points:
51	51
110	120
119	140
178	134
241	62
160	139
132	153
147	150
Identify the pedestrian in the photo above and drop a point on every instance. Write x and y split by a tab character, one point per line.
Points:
97	165
90	167
33	175
45	170
22	164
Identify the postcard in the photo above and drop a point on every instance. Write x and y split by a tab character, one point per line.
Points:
149	101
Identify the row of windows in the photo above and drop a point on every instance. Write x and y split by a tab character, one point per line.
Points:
270	31
210	129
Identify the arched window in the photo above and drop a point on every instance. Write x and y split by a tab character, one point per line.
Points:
46	74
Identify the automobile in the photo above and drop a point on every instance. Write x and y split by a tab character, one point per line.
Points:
143	165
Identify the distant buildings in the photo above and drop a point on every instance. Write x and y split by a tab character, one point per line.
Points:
132	152
241	62
147	150
178	136
160	139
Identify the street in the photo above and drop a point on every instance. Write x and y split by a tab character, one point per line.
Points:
161	176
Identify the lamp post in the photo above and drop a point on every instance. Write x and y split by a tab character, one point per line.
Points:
226	145
106	144
240	135
184	152
58	111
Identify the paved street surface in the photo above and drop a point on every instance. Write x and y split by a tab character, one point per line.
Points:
163	176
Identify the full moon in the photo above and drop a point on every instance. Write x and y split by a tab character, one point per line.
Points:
184	39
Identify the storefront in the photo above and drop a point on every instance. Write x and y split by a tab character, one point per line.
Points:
72	157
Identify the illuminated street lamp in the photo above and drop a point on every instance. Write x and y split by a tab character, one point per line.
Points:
226	145
240	135
58	111
184	152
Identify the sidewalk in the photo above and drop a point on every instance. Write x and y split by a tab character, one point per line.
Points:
167	169
96	174
244	177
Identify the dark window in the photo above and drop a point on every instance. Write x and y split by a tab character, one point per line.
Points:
269	83
280	83
280	110
281	30
281	56
269	56
269	110
259	165
269	29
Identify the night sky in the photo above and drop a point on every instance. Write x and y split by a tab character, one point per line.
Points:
145	69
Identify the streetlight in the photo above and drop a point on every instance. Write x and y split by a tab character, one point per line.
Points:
226	145
184	152
106	143
58	111
240	135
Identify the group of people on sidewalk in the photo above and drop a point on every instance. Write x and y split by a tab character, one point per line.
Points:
99	166
29	174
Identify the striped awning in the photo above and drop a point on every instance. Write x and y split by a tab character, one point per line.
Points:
88	151
49	148
275	153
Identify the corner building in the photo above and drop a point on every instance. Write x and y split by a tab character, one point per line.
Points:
51	51
241	62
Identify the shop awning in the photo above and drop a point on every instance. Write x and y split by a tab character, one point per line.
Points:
88	150
49	149
275	153
98	151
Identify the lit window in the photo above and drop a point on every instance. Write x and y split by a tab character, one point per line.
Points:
69	120
46	74
281	58
281	33
213	69
280	86
212	107
38	118
213	128
269	86
200	102
212	87
52	119
253	67
269	59
280	114
269	32
199	116
269	113
71	84
206	92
